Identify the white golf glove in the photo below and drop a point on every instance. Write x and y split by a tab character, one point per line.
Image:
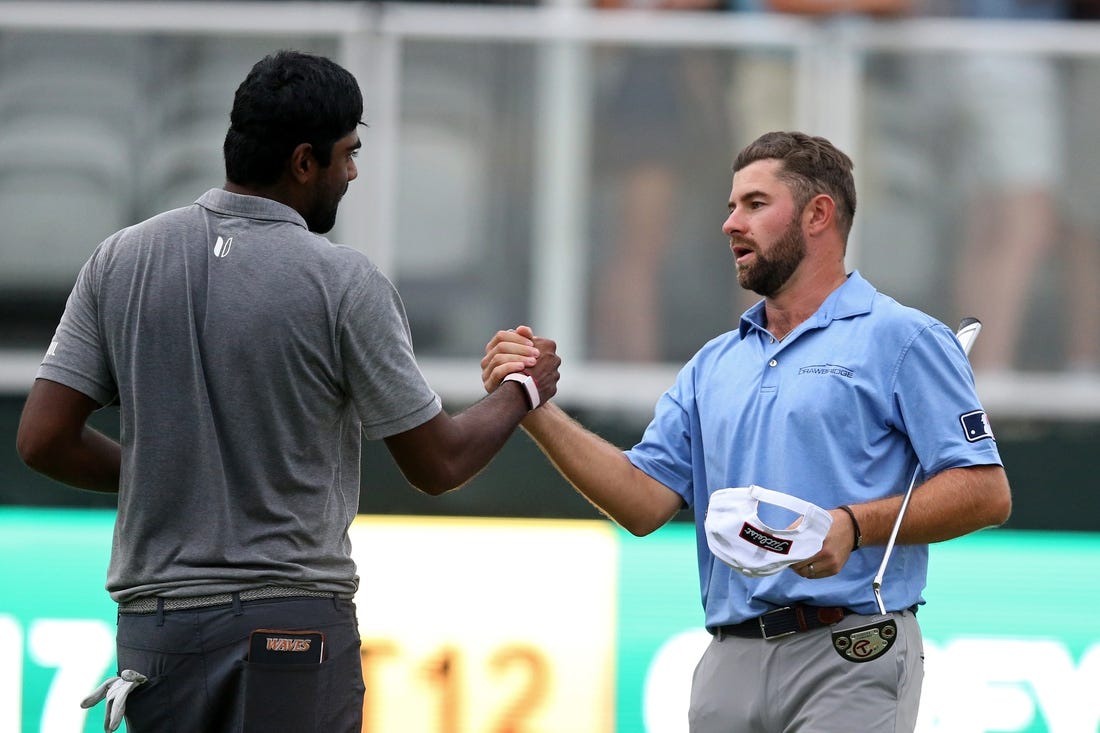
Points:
115	690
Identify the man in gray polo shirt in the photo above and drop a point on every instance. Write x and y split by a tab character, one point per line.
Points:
249	356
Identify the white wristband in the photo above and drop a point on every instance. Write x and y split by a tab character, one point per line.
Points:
528	383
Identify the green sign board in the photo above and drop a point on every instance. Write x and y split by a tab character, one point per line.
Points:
1011	628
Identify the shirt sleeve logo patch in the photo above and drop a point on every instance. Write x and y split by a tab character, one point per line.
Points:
976	426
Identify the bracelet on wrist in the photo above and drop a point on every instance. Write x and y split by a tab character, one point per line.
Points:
858	543
530	389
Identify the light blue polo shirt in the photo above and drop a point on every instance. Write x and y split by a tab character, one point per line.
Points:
838	412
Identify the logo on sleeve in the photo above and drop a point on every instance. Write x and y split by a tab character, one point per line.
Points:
976	426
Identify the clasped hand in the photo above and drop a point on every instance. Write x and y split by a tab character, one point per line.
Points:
519	350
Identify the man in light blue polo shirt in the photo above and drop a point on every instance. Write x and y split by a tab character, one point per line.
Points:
828	391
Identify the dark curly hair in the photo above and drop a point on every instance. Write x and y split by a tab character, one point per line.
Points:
810	165
288	98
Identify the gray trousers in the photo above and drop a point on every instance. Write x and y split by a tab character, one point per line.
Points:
200	679
800	684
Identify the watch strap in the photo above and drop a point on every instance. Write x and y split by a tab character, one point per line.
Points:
530	389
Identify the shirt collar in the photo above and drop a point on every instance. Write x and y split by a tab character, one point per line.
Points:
852	298
249	207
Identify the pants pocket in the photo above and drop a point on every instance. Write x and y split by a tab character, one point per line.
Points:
149	707
282	697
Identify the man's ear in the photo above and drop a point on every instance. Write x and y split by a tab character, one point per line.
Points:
819	214
302	163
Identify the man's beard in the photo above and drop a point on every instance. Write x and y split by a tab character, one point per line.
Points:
321	222
766	275
321	217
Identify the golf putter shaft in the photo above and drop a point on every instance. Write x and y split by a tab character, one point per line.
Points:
969	328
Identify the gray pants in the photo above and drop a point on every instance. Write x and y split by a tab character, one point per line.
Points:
800	684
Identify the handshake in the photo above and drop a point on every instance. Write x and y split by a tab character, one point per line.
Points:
518	355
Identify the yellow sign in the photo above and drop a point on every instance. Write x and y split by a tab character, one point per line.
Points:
487	626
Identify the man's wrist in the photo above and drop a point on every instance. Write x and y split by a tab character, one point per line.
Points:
530	388
857	541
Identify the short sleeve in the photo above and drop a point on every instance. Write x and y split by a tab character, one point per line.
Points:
78	355
385	383
665	451
937	404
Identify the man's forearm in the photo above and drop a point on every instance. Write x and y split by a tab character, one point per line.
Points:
951	504
446	452
601	472
54	439
92	461
485	427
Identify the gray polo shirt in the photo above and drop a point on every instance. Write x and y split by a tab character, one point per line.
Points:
249	357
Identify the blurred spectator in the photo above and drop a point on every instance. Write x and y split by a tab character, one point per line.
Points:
1084	9
1009	107
763	95
823	8
1082	190
992	122
662	118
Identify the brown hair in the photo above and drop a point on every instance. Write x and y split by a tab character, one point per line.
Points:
810	166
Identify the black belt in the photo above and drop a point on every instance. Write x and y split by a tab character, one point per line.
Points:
153	604
783	622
